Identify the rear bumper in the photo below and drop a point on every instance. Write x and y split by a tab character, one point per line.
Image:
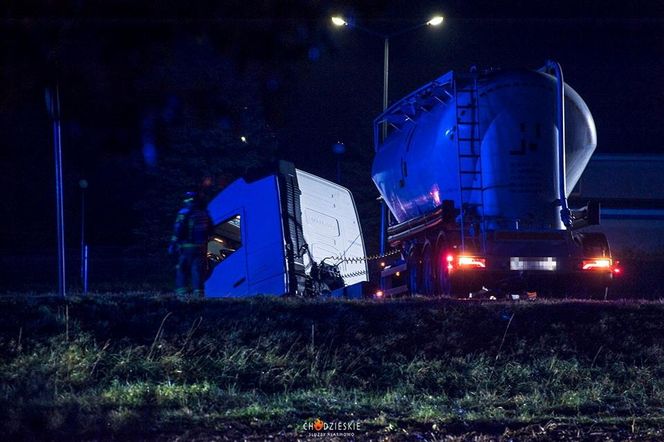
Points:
545	281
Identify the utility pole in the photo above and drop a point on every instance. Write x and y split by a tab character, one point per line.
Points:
338	149
53	105
83	184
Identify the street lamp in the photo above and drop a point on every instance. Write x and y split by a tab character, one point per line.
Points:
338	149
436	20
83	184
53	106
339	21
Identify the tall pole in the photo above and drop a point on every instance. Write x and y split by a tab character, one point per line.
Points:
386	79
338	149
82	225
53	101
84	247
386	83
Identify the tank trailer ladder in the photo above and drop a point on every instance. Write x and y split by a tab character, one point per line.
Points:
469	143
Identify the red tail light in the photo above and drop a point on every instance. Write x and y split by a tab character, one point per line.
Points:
598	264
471	262
616	268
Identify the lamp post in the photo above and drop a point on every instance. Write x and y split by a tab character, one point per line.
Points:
83	184
339	21
338	149
53	106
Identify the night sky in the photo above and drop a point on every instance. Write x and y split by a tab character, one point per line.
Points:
137	79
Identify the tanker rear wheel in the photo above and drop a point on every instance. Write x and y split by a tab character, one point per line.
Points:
414	272
428	272
443	279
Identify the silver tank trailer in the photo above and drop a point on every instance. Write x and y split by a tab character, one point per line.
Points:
418	164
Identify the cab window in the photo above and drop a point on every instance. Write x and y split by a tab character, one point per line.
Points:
226	238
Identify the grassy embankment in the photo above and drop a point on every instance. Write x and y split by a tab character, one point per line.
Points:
141	366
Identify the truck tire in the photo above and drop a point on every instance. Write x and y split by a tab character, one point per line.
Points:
443	280
428	272
414	272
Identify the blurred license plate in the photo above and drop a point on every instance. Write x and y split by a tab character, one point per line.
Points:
547	263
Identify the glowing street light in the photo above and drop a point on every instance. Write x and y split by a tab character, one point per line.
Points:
339	21
436	20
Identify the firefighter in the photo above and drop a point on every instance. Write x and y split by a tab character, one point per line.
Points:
189	243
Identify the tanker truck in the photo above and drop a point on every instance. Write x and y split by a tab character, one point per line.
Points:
475	169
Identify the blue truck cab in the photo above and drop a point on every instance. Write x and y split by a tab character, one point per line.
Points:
272	235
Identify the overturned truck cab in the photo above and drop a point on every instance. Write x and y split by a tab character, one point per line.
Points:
290	232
